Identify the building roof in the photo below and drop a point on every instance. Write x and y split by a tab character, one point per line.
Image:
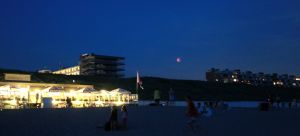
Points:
46	84
102	56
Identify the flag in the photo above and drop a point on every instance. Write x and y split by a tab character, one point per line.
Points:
139	82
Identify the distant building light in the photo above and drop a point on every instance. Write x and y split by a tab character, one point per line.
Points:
235	80
279	83
298	78
75	70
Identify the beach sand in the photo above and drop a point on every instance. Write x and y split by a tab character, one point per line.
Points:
148	121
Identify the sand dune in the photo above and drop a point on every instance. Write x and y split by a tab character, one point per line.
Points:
148	121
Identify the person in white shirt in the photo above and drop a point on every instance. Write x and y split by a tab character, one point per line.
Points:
204	110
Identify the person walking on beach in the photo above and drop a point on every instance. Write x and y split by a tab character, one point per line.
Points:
191	113
156	96
278	101
124	115
37	99
113	118
294	103
171	96
199	107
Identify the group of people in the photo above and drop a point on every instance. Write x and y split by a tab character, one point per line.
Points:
113	123
276	102
193	112
204	109
157	97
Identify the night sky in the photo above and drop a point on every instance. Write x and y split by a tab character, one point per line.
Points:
256	35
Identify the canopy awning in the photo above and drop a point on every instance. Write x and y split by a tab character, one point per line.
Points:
120	91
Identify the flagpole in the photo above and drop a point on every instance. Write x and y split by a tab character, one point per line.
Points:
137	88
137	83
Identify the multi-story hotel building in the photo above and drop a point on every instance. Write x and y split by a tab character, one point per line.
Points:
248	77
100	65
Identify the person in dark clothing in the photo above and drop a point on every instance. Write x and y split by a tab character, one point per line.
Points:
290	104
69	102
171	97
270	100
124	116
114	118
191	112
278	101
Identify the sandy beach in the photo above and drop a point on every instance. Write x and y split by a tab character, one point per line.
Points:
148	121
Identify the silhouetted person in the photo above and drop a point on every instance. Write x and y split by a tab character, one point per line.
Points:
211	104
37	99
171	96
124	116
69	102
156	96
294	103
270	101
290	104
113	118
199	106
283	104
278	101
191	112
206	111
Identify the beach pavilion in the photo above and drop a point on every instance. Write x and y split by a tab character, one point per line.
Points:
31	95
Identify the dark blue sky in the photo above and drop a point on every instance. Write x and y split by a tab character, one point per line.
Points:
251	35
